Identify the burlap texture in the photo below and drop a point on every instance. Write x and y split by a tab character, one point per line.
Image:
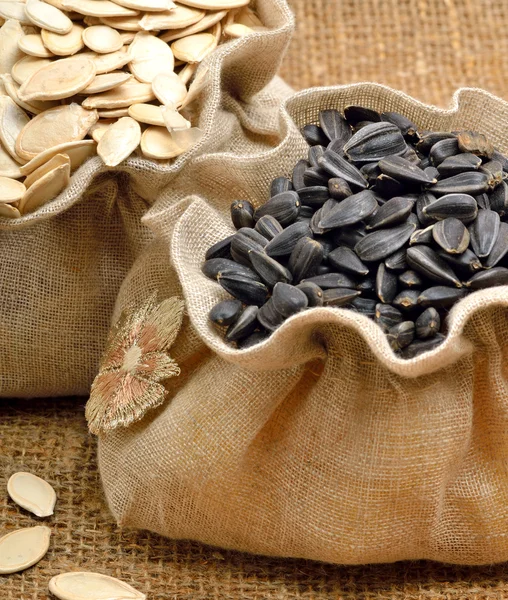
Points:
62	265
318	443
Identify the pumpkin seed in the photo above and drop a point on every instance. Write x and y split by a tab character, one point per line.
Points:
206	22
105	82
158	143
91	586
8	166
32	493
147	113
77	151
150	56
9	212
47	16
122	96
98	8
23	548
45	189
12	122
15	11
119	141
176	18
147	5
66	44
102	39
11	33
28	66
10	190
55	161
33	45
169	89
194	48
173	120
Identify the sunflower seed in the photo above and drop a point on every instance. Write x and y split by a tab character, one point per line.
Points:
381	244
441	296
23	548
410	279
344	259
427	262
315	176
350	211
386	284
337	166
32	493
407	127
355	114
494	171
401	335
305	258
423	201
225	312
349	236
284	207
459	163
288	299
475	143
401	169
334	125
338	188
442	150
422	236
397	261
420	346
284	242
374	142
499	199
89	586
500	247
244	241
471	182
279	185
332	280
244	288
387	316
432	172
297	177
313	292
452	235
465	263
213	267
270	271
484	232
460	206
252	340
220	249
388	187
314	135
268	227
391	213
490	278
407	300
244	325
338	296
315	152
242	213
314	196
365	306
269	318
428	323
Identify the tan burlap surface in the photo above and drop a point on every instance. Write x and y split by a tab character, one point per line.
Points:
50	438
64	263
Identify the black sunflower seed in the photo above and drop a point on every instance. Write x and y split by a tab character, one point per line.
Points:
500	247
332	280
350	211
244	240
483	201
268	227
484	232
410	279
338	296
365	306
220	249
225	312
242	213
403	170
269	318
401	335
459	163
427	262
279	185
337	166
305	258
349	236
381	244
314	153
285	241
388	186
471	182
442	150
243	288
490	278
288	299
441	296
345	260
407	300
334	125
432	172
391	213
424	200
374	142
430	138
494	171
355	114
268	269
465	263
284	207
367	286
314	196
314	135
252	340
397	261
407	127
387	316
428	323
338	188
460	206
297	176
244	324
386	284
420	346
452	235
313	292
422	236
315	176
214	266
499	199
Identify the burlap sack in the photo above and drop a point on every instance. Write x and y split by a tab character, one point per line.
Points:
319	442
62	266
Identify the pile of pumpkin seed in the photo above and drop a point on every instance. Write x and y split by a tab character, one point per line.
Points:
381	218
23	548
79	77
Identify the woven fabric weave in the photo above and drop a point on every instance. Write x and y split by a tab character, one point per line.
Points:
319	442
64	263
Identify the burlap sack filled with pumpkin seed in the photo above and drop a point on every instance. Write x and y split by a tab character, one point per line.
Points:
318	442
63	264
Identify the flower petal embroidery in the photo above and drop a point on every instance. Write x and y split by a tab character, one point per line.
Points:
157	366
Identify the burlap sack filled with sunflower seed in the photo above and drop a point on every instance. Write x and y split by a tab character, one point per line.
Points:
319	442
63	265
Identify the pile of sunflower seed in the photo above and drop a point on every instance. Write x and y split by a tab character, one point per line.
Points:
120	73
382	218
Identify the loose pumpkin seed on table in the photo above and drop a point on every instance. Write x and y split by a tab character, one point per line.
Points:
382	218
73	70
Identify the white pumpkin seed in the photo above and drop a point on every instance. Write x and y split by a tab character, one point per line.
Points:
56	161
124	23
197	86
246	16
147	113
32	44
92	586
45	189
77	151
57	4
11	33
147	5
105	63
15	11
176	18
23	548
61	79
157	143
113	113
149	57
237	30
206	22
11	191
106	81
130	92
47	16
99	129
187	72
169	89
186	138
26	67
67	123
64	45
9	212
173	119
215	4
11	89
12	121
194	48
102	39
32	493
119	141
8	166
99	8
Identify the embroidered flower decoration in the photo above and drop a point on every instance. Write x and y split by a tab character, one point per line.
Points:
134	365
